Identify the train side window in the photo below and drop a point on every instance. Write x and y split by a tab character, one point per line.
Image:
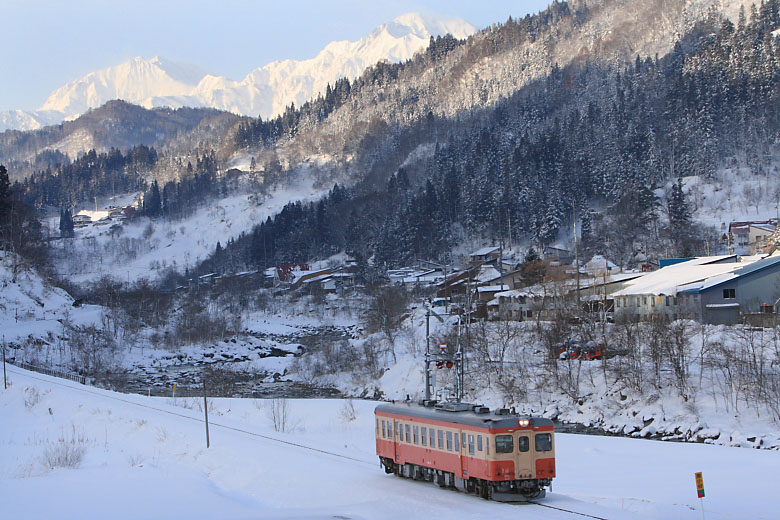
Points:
449	441
441	439
543	442
424	436
384	430
408	433
479	442
504	444
487	445
390	429
457	442
463	440
471	444
522	443
416	430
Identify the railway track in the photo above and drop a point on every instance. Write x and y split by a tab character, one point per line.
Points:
87	390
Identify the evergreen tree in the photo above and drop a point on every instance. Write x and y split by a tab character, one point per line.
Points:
679	209
153	201
66	223
5	192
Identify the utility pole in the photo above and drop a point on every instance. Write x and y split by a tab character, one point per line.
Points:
576	257
427	355
509	218
206	412
5	379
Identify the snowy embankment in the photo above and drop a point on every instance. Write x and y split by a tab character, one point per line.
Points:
68	450
508	366
34	311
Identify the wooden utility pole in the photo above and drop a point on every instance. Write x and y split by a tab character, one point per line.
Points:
206	412
576	258
5	379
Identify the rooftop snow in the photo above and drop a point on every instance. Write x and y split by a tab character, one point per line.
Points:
683	276
484	251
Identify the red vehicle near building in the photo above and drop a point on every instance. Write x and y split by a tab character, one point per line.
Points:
497	455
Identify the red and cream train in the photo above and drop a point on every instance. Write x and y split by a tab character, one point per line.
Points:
498	454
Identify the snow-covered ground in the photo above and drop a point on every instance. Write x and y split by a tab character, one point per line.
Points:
146	458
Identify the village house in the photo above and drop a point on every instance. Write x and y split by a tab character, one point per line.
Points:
750	237
484	255
547	300
718	290
730	298
81	220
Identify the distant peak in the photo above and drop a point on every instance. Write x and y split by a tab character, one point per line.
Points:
424	25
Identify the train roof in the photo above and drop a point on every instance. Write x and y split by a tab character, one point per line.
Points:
461	413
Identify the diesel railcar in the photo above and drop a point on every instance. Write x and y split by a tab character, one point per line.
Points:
497	454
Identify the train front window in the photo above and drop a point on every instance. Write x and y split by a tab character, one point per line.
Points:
504	444
523	443
384	430
543	442
479	442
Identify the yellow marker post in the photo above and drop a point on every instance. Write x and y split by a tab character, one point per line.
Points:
700	490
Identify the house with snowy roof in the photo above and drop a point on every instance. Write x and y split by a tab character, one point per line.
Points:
548	299
750	237
719	290
485	254
599	265
728	298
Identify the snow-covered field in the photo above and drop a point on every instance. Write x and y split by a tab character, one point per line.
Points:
146	458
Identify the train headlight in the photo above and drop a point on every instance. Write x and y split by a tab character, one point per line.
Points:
524	423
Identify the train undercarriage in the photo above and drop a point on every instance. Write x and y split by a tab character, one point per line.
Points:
504	491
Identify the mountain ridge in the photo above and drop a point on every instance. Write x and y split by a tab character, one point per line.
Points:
264	91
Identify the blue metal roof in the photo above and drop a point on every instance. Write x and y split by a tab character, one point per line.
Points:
742	272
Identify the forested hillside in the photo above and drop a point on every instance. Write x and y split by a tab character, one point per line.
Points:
116	125
596	138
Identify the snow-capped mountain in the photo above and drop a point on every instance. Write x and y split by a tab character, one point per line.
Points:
265	91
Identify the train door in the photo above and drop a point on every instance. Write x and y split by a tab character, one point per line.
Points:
524	459
396	437
464	459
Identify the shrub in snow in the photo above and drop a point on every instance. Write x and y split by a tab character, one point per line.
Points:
279	412
66	452
31	397
347	411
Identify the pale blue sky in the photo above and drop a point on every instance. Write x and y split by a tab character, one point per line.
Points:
47	43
